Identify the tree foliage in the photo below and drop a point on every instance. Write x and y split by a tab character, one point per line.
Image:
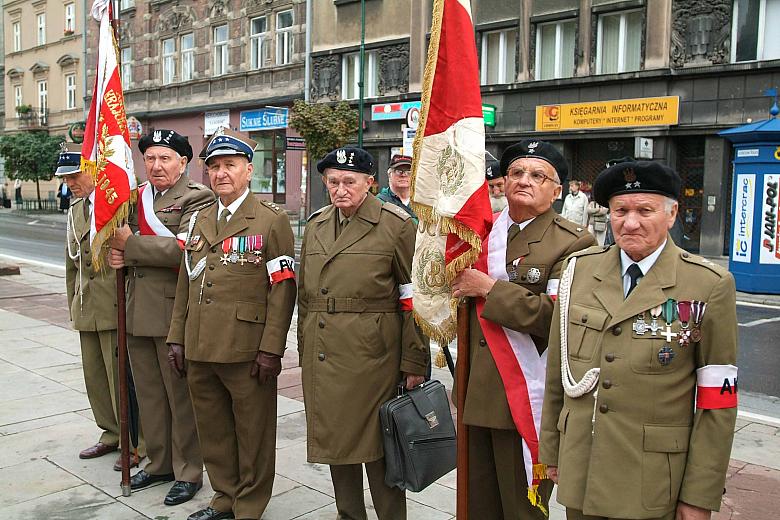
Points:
30	156
324	127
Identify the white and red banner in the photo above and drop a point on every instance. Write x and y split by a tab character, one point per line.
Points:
148	222
449	192
716	387
106	152
519	364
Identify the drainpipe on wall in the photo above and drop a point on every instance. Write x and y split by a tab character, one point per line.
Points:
85	10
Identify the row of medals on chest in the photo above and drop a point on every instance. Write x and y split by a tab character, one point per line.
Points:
689	312
242	250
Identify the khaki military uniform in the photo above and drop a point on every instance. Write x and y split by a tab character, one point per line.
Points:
648	447
354	344
92	304
223	318
497	481
163	398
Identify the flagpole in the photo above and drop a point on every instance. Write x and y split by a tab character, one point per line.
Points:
124	424
464	357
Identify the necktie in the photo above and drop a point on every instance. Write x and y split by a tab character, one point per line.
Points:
342	225
87	209
634	273
223	220
514	229
157	195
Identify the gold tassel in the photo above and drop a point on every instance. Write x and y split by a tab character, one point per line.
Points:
536	500
441	359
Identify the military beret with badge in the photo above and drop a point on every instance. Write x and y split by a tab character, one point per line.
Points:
227	142
348	158
169	139
535	149
493	170
636	177
69	160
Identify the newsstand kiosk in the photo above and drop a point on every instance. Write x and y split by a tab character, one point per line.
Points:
754	257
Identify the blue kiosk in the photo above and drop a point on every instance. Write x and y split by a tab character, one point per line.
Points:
754	257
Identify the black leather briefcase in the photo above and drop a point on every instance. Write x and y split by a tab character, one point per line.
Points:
418	436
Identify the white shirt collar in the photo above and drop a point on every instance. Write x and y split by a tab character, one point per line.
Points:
92	198
233	206
644	264
522	224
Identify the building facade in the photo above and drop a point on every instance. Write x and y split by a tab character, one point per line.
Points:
194	66
601	79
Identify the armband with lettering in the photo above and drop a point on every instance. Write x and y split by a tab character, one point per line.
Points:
281	268
716	387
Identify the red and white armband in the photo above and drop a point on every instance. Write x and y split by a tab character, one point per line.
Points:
280	268
716	387
405	296
552	288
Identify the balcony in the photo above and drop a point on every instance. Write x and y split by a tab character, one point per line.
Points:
33	118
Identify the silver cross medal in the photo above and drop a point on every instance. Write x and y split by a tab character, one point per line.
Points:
640	325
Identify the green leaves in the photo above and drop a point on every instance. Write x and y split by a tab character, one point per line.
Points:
324	127
30	156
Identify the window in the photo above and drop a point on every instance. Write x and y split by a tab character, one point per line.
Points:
257	42
70	91
41	28
43	100
351	75
284	45
269	162
555	49
751	39
168	60
187	57
70	18
17	31
498	57
121	5
619	46
127	67
220	50
18	97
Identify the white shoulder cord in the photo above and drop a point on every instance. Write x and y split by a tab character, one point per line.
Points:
73	256
591	378
193	273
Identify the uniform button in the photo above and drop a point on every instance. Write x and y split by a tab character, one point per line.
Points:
165	220
140	275
522	277
211	267
324	290
607	384
610	357
603	408
584	318
685	255
86	251
616	330
321	356
208	284
214	249
208	300
92	277
321	324
482	342
89	263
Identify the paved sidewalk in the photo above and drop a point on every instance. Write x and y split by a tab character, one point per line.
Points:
45	420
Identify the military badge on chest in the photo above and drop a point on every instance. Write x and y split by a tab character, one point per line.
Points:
242	250
689	313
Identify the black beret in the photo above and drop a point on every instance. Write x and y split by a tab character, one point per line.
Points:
169	139
636	177
493	170
348	158
535	149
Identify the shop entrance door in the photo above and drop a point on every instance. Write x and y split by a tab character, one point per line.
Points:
270	164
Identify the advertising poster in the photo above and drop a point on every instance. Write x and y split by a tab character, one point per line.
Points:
770	237
742	232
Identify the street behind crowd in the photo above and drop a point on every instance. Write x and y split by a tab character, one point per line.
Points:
45	420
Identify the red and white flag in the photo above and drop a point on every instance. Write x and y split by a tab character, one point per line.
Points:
449	192
106	152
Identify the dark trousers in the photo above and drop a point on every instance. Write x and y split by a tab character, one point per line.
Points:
389	503
497	484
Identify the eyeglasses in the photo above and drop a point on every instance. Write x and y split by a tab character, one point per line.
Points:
536	177
402	173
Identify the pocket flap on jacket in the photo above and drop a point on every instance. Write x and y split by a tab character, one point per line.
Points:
564	415
587	316
667	439
247	311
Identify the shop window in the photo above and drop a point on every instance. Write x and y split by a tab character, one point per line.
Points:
220	50
619	38
258	44
284	41
127	67
70	91
751	30
168	60
555	43
351	75
498	53
269	164
187	46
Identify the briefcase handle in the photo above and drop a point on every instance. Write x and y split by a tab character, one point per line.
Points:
422	403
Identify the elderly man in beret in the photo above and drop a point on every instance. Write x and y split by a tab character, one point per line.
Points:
234	302
496	184
151	247
510	324
641	394
356	334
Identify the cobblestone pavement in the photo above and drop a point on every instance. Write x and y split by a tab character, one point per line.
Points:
45	420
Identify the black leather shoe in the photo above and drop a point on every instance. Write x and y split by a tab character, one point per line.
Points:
181	492
210	514
143	479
